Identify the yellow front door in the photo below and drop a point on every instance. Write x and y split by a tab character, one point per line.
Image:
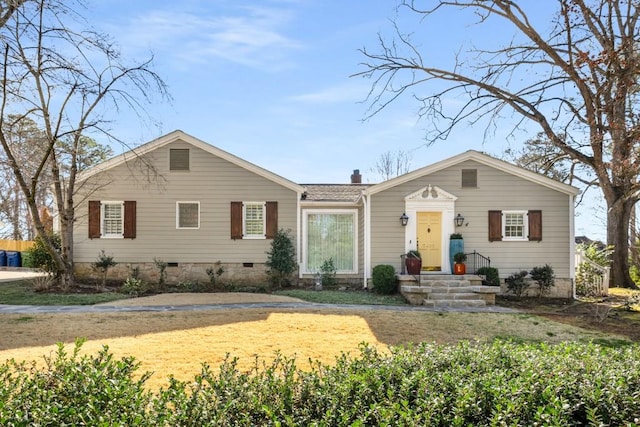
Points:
429	238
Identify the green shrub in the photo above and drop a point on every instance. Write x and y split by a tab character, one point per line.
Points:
162	272
214	274
189	286
544	278
281	259
517	284
74	390
492	277
383	279
102	266
501	383
587	272
459	257
328	272
135	287
41	258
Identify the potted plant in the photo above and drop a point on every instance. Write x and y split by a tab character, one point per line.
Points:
459	267
413	262
456	244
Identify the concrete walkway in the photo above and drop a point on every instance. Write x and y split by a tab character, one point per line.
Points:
103	308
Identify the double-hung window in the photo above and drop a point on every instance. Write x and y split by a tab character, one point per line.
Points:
254	220
112	219
112	224
331	235
514	225
187	215
254	217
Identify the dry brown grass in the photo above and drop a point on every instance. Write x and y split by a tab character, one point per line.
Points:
177	342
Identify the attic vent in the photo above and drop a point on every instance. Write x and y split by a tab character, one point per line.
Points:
469	178
179	159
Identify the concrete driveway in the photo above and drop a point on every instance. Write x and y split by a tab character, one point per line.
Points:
18	274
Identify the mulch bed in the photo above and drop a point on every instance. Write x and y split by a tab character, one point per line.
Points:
604	314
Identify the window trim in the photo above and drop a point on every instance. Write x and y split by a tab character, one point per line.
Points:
525	226
305	240
263	234
103	233
178	203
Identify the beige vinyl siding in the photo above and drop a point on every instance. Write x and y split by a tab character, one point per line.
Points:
212	181
497	190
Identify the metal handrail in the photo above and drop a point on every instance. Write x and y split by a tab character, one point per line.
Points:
476	261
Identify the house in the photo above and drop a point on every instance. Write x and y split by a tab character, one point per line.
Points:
190	204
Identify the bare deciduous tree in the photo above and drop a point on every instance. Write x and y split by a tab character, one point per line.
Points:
67	81
391	164
576	79
27	143
7	9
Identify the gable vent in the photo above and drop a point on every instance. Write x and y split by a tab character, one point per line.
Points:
179	159
469	178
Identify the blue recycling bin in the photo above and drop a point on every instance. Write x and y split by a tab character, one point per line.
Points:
13	259
3	258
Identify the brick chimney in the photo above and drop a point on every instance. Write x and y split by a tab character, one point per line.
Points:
356	178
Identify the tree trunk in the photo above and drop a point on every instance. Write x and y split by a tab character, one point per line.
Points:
618	215
67	276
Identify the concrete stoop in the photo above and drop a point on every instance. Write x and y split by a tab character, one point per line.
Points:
447	291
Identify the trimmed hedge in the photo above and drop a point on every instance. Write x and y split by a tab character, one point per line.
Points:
384	280
491	384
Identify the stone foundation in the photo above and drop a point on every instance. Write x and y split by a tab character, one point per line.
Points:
563	288
237	273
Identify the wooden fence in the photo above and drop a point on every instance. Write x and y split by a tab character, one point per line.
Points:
16	245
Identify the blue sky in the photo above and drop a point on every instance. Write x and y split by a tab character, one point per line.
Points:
269	81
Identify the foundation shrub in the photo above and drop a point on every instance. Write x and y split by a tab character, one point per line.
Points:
517	284
501	383
383	279
492	277
135	287
544	278
281	259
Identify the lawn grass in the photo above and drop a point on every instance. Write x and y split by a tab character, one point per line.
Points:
343	297
21	293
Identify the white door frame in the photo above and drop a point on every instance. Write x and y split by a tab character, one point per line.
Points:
431	199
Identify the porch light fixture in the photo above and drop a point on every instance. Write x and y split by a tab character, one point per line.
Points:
404	219
459	220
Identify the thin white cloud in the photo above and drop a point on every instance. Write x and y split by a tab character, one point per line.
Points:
251	36
348	92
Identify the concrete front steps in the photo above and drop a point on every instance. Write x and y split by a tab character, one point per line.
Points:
441	290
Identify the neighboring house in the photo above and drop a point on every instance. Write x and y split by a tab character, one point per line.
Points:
185	202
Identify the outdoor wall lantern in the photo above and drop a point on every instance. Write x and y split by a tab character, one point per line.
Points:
404	219
459	220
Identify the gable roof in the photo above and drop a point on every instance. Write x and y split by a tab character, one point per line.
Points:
343	193
179	135
480	158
